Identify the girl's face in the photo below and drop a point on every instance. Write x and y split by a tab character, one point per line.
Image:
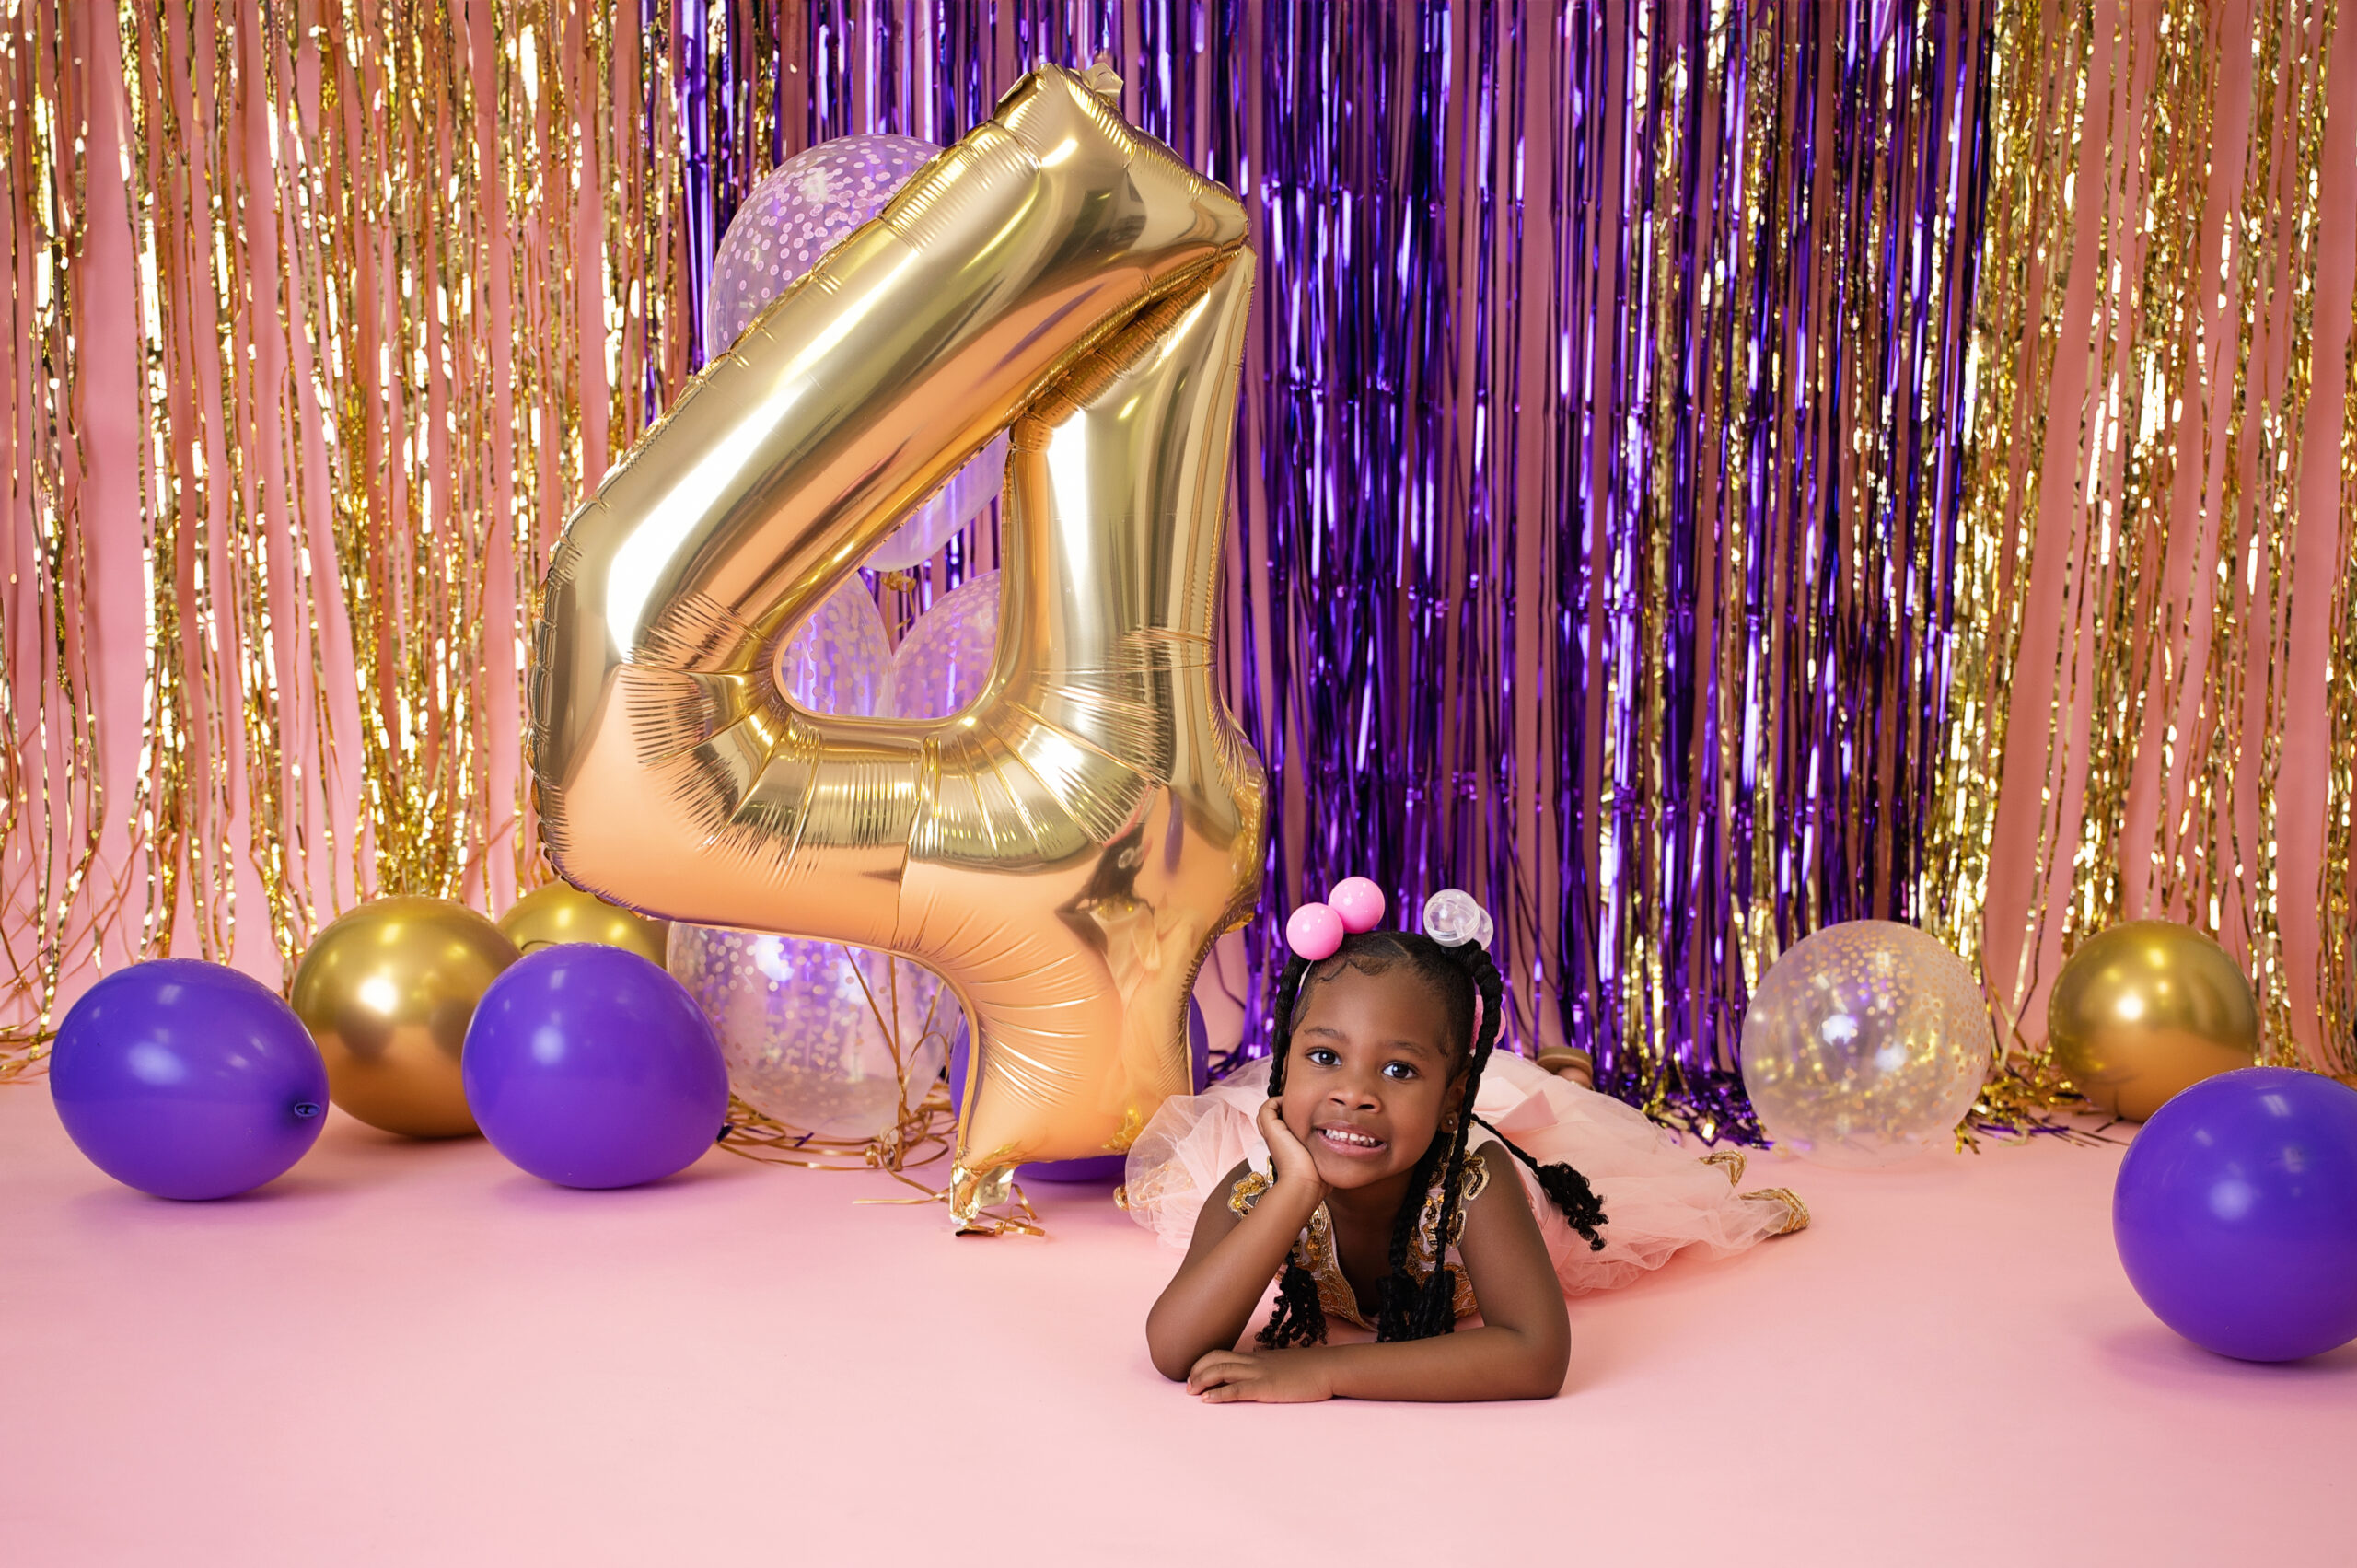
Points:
1371	1075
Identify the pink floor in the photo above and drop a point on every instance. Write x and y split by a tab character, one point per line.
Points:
407	1353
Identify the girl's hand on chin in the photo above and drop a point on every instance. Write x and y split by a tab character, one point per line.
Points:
1267	1377
1289	1157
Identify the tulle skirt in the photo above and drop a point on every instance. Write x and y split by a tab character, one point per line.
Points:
1659	1200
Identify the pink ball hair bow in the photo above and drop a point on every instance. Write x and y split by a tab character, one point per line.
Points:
1315	931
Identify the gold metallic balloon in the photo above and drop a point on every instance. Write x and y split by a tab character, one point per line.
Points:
561	913
2145	1009
1065	850
388	992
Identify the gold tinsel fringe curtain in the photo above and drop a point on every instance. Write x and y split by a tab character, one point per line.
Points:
2157	674
323	315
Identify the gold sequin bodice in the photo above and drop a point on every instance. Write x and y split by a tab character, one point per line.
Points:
1313	1248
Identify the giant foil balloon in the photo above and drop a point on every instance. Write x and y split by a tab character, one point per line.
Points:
785	224
1095	1168
1865	1044
828	1038
1065	849
2145	1009
386	991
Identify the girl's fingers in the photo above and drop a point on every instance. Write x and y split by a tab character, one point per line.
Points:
1205	1374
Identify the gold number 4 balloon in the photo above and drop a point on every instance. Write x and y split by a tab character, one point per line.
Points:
1064	851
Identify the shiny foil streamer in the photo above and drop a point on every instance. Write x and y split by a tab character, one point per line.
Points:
1752	657
1602	456
1600	541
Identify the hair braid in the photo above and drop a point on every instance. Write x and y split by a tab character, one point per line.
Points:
1399	1300
1567	1190
1435	1301
1289	980
1300	1317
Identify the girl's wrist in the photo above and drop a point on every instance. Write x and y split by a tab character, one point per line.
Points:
1292	1199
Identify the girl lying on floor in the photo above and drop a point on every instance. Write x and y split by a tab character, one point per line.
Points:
1340	1164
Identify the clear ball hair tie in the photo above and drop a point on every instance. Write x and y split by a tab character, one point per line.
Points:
1452	917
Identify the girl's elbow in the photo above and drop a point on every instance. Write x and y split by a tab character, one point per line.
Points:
1173	1361
1542	1388
1553	1368
1545	1368
1169	1357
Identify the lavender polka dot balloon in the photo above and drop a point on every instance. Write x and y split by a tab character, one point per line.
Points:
805	206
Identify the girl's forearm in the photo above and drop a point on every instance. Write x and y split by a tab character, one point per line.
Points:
1487	1362
1206	1306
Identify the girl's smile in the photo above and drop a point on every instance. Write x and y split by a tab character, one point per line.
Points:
1355	1142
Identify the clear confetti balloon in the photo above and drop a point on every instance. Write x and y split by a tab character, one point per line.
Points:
945	656
1865	1045
816	1034
793	216
840	661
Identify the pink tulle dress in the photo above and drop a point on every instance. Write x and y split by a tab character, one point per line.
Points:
1659	1200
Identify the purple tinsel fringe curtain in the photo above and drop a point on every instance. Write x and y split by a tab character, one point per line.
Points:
1600	453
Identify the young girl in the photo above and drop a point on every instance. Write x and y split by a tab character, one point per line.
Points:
1361	1155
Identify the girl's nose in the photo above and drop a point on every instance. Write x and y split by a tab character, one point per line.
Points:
1351	1095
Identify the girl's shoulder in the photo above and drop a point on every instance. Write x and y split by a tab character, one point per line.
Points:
1490	1175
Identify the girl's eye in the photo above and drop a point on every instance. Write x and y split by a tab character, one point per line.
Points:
1399	1070
1319	1056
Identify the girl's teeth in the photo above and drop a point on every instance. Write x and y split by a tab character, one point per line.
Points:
1356	1140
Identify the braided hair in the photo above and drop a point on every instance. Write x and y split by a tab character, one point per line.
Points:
1407	1308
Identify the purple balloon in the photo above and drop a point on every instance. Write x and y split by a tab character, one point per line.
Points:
2236	1214
588	1066
1093	1167
188	1080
